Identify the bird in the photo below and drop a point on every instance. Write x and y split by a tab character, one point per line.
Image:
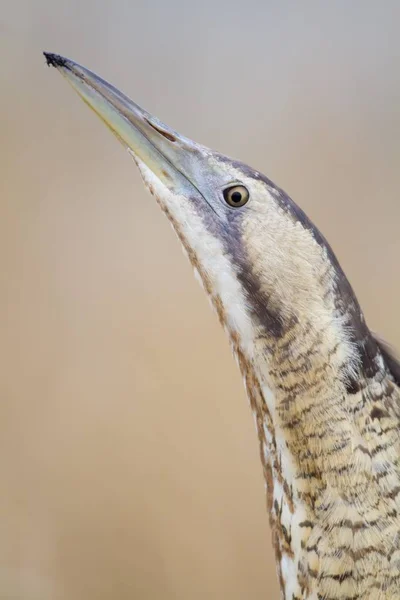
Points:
324	389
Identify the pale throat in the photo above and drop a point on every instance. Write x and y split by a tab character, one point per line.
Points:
284	376
290	382
324	462
301	418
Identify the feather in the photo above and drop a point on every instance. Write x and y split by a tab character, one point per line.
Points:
390	357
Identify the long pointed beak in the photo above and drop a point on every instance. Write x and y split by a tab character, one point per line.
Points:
173	158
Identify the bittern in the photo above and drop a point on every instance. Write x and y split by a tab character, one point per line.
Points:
324	390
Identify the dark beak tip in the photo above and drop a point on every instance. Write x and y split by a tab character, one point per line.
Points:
54	60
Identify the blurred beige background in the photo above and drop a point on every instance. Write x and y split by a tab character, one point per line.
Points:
129	465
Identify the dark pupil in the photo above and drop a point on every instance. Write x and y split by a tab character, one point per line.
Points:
236	197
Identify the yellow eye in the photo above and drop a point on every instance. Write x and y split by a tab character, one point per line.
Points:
236	196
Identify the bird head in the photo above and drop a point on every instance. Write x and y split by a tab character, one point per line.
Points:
267	269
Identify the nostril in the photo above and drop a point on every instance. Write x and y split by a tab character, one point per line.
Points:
166	134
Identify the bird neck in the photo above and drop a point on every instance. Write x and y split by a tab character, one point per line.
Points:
316	448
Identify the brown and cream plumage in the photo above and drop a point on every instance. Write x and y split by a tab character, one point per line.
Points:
324	391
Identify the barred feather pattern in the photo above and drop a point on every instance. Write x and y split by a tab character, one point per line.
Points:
333	490
325	394
328	427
